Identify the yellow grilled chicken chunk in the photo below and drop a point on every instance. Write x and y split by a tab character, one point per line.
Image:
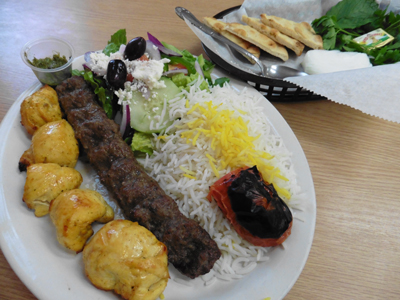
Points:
40	108
127	258
73	212
54	142
44	182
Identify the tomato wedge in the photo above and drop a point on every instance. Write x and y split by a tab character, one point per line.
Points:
143	58
253	207
176	66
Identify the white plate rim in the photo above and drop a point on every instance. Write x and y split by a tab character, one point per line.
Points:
14	241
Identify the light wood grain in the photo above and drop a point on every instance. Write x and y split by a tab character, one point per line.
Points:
354	158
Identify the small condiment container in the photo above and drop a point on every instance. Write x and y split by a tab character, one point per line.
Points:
48	47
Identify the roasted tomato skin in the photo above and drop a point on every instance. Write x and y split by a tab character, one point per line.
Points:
283	220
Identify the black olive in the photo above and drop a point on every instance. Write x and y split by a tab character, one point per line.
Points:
116	73
135	48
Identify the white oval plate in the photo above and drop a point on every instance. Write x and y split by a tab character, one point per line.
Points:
50	272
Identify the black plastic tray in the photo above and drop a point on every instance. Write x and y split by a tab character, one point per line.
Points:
272	89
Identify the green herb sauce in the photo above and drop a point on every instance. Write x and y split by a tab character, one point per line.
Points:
49	62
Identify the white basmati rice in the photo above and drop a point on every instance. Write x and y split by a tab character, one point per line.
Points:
174	157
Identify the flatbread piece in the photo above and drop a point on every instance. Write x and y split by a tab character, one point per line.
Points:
219	26
260	40
274	34
302	32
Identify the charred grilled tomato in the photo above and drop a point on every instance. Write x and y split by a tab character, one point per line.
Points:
253	207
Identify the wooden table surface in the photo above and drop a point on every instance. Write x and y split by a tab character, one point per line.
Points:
354	157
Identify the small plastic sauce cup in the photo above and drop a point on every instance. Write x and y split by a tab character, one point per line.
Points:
47	47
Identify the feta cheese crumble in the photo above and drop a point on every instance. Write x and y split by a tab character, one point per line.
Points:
146	74
149	72
125	95
99	61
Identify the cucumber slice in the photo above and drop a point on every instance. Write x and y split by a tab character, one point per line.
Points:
147	113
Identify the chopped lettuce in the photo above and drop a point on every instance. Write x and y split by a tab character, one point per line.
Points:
99	87
188	60
141	143
221	81
117	39
189	65
188	56
206	66
171	47
182	81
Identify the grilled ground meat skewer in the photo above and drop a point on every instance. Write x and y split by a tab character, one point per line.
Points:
190	248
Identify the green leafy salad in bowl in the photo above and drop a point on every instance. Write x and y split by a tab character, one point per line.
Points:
134	81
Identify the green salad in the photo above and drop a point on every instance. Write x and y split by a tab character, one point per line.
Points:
134	80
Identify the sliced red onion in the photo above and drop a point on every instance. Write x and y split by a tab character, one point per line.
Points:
86	67
145	92
118	117
122	49
198	68
128	128
126	119
176	71
154	40
128	116
152	50
161	47
87	56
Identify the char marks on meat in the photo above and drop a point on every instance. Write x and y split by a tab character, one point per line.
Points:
190	248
